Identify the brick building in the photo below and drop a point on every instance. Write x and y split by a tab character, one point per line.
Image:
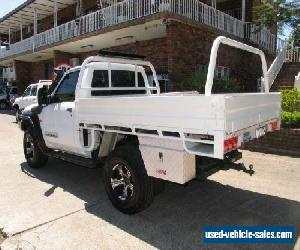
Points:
175	35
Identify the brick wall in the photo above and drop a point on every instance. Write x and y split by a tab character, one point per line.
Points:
23	75
62	58
155	51
28	73
285	142
189	47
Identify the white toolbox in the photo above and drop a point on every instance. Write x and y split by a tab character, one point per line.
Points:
166	159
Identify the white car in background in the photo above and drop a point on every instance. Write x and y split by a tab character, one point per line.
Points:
13	95
3	99
297	81
29	97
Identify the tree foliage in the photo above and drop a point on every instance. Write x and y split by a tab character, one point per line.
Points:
284	13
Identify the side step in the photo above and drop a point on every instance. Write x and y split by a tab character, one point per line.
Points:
77	160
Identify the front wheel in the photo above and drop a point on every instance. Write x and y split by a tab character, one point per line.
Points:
33	154
127	184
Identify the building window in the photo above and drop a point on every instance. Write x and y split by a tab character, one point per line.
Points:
237	13
222	73
163	80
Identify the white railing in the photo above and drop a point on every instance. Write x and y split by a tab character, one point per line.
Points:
133	9
277	63
293	54
17	48
203	13
261	36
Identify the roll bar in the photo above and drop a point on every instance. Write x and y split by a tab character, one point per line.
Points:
238	45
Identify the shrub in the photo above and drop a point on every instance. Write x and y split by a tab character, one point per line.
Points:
291	100
290	119
198	81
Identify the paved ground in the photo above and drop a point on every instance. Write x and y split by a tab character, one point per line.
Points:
65	207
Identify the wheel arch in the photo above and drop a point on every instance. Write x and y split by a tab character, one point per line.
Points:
16	106
112	140
32	123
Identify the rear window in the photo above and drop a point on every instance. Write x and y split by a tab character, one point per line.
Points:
100	79
119	79
122	78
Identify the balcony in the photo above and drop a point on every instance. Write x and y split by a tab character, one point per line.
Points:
133	9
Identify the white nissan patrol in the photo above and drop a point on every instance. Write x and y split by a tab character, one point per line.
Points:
29	97
107	111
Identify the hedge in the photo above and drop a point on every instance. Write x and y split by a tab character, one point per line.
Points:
290	119
291	100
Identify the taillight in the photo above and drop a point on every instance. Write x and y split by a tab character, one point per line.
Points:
231	144
274	125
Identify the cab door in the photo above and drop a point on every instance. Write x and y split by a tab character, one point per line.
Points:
32	99
24	98
57	119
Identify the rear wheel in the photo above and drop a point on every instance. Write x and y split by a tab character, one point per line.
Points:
33	154
127	184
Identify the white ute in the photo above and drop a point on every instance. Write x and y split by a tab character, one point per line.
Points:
29	97
107	111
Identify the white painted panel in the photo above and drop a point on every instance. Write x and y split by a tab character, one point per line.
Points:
167	160
246	110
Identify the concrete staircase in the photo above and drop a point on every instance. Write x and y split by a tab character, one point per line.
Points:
286	76
283	142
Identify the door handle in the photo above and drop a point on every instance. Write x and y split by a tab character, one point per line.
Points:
70	110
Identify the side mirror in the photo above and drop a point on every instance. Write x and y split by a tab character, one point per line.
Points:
42	96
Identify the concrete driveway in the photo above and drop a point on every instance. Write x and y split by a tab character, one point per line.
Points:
65	207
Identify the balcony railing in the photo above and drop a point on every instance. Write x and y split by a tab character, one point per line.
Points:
133	9
261	36
293	55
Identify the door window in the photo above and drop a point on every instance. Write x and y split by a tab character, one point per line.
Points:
66	89
33	91
27	92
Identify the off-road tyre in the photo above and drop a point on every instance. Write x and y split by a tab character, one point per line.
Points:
141	195
34	156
